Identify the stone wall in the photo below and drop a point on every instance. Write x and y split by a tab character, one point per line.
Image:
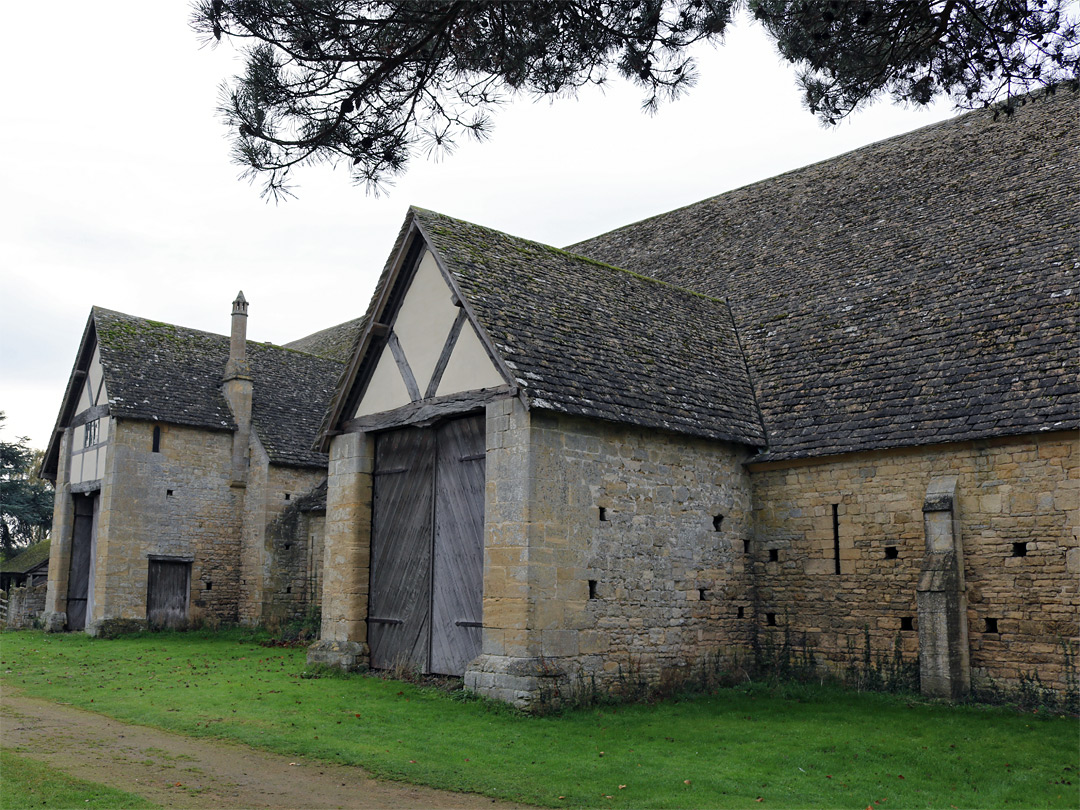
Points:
25	606
275	556
1017	513
294	544
610	551
174	503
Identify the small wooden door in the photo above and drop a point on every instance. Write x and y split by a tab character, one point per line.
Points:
82	536
167	585
427	547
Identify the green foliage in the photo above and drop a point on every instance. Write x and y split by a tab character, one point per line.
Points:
26	502
973	50
30	783
370	82
1030	693
792	745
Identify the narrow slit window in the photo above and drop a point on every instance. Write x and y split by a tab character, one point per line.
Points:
592	589
745	546
288	589
717	522
1019	549
836	537
701	594
774	555
287	496
156	441
907	623
603	514
740	613
209	585
891	552
770	619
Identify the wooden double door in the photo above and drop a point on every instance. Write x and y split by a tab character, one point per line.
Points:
427	547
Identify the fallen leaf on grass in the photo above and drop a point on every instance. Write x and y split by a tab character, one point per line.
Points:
759	799
686	781
622	787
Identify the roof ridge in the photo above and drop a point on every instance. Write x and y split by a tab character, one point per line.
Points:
1008	106
264	344
575	256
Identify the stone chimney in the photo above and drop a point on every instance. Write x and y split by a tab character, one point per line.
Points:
237	387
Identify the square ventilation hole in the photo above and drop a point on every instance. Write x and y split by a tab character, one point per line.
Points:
891	552
209	585
991	626
168	493
907	623
770	619
774	555
1019	549
717	522
287	496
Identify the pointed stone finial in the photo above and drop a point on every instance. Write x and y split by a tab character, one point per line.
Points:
240	305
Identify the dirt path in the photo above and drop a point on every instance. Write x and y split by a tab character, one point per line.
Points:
177	771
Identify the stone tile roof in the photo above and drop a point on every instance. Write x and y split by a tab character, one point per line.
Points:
586	338
161	372
30	557
919	290
334	343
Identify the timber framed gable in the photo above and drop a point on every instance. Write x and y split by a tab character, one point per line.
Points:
423	355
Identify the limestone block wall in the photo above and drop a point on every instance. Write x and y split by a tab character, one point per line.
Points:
294	547
25	606
608	549
1017	508
175	503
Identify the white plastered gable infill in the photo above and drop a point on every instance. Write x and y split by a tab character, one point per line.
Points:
427	329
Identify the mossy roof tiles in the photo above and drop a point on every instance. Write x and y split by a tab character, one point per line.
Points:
919	290
334	343
162	372
30	557
586	338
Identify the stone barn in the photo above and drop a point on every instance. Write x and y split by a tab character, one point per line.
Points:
834	405
184	475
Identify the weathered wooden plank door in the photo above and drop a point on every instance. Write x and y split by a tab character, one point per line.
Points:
167	586
82	536
457	577
399	606
427	547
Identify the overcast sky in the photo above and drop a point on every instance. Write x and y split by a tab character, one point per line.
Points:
116	187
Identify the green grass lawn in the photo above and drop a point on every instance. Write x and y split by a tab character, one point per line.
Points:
752	746
29	783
